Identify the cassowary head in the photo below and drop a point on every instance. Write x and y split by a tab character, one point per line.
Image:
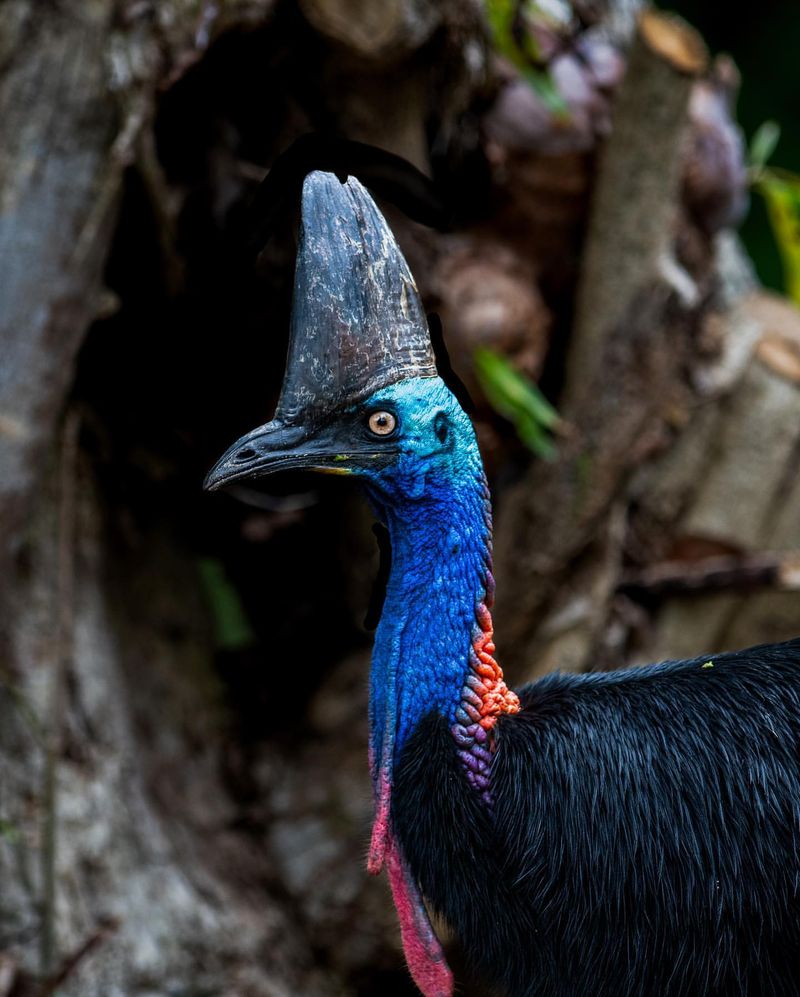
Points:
361	395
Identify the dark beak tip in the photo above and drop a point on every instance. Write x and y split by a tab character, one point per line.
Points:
214	481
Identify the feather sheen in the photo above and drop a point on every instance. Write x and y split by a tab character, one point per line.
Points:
644	834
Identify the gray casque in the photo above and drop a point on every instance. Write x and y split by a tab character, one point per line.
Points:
357	319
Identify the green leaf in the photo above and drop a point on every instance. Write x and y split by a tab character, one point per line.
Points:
511	39
518	400
763	143
781	191
232	628
518	45
8	831
544	86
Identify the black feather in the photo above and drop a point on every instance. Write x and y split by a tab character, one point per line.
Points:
387	175
644	837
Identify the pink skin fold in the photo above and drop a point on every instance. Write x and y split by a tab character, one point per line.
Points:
381	834
424	956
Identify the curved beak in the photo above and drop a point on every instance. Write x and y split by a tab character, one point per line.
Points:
277	447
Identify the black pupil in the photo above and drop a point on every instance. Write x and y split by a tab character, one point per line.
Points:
440	426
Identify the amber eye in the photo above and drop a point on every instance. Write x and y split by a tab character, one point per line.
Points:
381	423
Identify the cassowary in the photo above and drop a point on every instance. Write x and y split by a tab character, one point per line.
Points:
600	835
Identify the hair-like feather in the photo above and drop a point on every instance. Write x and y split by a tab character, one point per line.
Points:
643	839
388	175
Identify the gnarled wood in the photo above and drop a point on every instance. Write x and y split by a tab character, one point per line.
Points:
58	190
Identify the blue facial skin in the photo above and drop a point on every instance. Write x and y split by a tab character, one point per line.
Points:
433	499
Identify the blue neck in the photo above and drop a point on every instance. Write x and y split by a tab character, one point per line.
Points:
441	551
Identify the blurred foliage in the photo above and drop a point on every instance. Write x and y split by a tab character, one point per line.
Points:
762	145
231	626
781	192
8	831
510	26
518	400
763	42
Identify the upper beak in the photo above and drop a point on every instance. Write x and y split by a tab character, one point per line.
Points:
278	447
262	451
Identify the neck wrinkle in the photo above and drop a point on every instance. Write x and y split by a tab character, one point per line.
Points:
485	698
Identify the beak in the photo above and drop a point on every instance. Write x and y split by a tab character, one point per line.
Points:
278	447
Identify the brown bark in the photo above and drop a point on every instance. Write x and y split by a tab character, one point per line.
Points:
729	487
632	218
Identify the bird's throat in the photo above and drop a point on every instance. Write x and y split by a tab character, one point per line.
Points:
434	652
434	648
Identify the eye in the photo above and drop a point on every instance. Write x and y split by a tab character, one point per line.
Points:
382	423
440	426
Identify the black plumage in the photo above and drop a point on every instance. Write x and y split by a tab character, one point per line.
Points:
644	834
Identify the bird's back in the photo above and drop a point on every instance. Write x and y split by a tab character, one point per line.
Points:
644	837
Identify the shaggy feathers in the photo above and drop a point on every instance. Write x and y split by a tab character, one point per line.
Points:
644	835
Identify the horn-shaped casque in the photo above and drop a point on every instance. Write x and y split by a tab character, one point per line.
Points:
358	323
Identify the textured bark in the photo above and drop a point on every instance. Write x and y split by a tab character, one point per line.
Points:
730	487
631	222
59	183
549	520
120	868
77	85
111	744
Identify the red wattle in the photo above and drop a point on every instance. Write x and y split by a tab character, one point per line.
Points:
424	955
379	843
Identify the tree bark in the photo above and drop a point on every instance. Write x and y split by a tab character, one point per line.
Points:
632	218
121	872
59	183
